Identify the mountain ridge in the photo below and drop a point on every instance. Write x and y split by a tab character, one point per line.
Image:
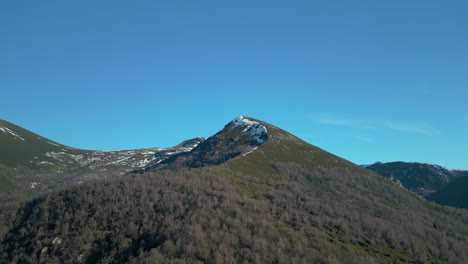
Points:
283	200
31	163
239	137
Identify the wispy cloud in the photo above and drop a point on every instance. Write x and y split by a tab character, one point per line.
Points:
327	120
339	122
423	129
406	127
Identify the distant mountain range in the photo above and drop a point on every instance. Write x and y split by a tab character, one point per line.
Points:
434	182
251	193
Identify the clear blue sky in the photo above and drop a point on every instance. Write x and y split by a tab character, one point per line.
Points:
366	80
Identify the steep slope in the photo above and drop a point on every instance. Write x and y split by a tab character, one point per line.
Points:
30	163
253	147
273	200
239	137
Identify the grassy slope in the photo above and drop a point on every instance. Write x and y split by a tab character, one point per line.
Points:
23	162
17	161
284	147
11	189
335	179
20	152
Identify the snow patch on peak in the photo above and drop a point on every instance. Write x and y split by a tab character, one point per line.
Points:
245	154
52	143
253	128
11	132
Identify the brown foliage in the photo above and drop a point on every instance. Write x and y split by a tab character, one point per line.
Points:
195	215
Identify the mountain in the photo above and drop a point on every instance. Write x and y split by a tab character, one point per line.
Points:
252	193
239	137
442	185
454	193
30	163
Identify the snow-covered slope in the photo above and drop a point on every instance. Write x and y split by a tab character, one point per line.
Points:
252	128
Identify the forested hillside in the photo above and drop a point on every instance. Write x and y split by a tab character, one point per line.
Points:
252	193
197	215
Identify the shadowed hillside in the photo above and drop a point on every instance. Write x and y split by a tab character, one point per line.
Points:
434	182
454	193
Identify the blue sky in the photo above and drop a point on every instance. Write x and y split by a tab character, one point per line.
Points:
366	80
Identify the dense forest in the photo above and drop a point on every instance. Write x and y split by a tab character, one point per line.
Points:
201	216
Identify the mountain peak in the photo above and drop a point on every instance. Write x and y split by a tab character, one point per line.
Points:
257	131
238	138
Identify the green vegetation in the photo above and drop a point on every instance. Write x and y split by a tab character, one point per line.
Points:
31	164
196	215
285	202
23	161
16	151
